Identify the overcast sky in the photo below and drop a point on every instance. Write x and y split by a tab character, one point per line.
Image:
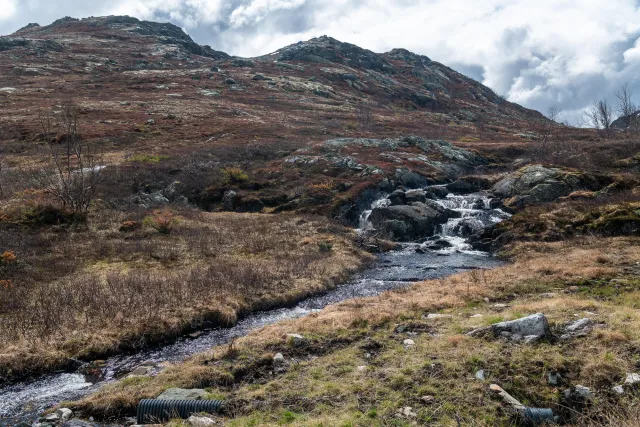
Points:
536	52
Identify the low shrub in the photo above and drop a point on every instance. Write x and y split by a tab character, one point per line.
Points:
163	221
234	175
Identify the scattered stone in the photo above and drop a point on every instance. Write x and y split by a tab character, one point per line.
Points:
362	368
516	330
473	316
140	371
183	394
500	306
230	81
258	77
579	328
278	358
632	379
64	414
151	122
407	412
432	316
296	339
229	200
50	418
480	375
578	393
201	421
618	389
408	342
554	379
125	103
427	400
207	92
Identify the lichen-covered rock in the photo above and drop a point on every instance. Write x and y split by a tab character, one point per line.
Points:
536	184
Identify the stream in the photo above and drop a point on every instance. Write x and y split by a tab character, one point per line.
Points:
23	402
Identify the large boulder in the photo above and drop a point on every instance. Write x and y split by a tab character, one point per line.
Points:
410	222
528	329
536	184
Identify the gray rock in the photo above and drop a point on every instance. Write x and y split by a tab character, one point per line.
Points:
415	196
579	328
408	342
183	394
578	393
296	340
632	379
230	81
151	122
410	222
278	359
535	325
618	389
554	379
480	375
538	184
436	192
196	421
258	77
229	200
64	414
397	198
141	371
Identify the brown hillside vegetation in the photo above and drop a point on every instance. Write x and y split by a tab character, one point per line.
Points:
120	284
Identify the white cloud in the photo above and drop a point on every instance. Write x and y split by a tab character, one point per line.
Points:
7	9
256	10
567	52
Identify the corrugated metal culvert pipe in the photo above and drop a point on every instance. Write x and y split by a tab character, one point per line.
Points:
536	416
157	410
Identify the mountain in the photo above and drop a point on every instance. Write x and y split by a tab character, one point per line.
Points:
146	90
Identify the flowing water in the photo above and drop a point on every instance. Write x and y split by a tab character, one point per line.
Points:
396	269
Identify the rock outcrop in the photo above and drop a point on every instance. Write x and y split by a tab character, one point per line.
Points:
536	184
410	222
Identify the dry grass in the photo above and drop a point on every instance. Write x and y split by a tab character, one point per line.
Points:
325	387
93	291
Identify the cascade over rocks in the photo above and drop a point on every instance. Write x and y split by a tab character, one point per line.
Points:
411	222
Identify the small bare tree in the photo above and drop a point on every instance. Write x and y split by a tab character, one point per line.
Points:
553	113
625	106
600	116
74	169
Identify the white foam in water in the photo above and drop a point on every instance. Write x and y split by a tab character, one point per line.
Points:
472	215
364	223
55	386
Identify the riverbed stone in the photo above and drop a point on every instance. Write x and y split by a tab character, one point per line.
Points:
410	222
64	414
183	394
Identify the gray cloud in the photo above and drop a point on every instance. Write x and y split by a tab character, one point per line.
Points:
536	53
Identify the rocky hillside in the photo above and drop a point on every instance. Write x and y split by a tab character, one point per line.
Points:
164	110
